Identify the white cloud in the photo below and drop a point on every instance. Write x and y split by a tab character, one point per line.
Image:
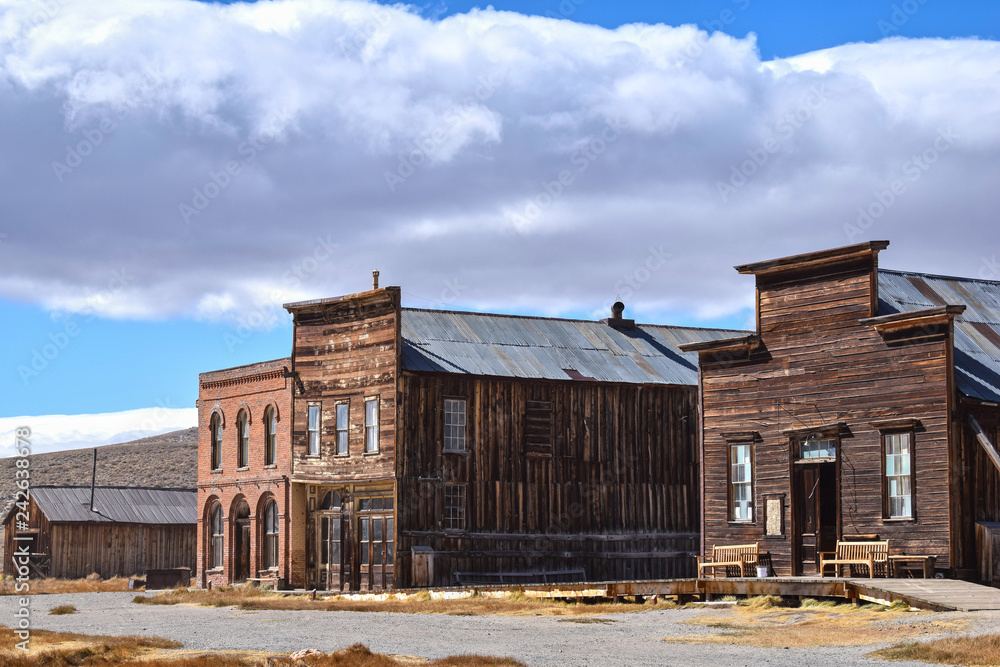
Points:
205	149
51	433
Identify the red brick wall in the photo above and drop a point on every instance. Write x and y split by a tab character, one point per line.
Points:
252	388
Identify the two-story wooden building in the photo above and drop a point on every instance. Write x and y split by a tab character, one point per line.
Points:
422	445
866	403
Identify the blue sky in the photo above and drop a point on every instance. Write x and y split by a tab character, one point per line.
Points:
460	230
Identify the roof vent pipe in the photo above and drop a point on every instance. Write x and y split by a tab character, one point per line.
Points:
617	309
375	279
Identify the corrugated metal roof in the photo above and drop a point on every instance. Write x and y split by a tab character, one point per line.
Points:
977	330
546	348
117	504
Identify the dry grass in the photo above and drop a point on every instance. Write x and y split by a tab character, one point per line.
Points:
983	650
62	610
52	586
59	649
765	625
515	604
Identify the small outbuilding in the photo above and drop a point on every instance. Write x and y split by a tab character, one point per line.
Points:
126	531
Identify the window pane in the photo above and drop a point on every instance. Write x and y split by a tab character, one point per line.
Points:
324	540
371	425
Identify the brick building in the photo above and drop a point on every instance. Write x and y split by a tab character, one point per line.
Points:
245	527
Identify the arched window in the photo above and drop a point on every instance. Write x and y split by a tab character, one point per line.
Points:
270	436
331	501
216	441
216	530
243	436
270	555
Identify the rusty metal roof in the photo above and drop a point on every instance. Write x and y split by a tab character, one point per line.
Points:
117	504
977	330
548	348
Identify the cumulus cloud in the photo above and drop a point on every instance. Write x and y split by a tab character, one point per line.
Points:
228	158
51	433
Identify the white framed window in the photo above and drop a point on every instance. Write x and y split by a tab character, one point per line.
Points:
898	475
243	436
454	424
270	436
343	423
313	430
454	507
216	442
270	555
217	528
371	425
741	481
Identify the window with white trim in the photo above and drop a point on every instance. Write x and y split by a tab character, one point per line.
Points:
270	436
216	441
343	422
741	481
243	439
270	555
454	424
898	475
217	528
312	427
371	425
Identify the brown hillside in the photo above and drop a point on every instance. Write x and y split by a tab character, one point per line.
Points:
167	460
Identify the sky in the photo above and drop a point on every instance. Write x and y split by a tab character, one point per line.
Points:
172	171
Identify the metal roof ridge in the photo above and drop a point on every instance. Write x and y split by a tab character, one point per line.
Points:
939	276
559	319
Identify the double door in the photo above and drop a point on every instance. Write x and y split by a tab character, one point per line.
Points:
365	563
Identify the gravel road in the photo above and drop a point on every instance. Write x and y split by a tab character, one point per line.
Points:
624	640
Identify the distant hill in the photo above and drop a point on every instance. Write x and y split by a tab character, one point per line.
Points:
166	460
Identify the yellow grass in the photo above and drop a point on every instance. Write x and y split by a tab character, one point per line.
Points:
60	649
515	604
52	586
764	625
62	610
982	650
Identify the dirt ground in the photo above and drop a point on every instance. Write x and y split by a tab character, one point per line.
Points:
688	636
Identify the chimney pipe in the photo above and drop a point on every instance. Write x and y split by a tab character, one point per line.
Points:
617	309
375	279
93	481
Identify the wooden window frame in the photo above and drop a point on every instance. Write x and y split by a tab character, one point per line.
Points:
730	499
343	428
243	439
459	441
216	540
886	513
310	430
372	444
215	426
270	436
455	515
269	543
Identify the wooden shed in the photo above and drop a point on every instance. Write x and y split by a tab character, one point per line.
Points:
865	403
128	531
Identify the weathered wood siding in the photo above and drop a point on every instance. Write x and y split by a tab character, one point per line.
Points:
981	497
820	365
79	549
614	493
346	350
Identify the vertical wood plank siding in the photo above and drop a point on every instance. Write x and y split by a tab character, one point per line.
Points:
617	495
820	365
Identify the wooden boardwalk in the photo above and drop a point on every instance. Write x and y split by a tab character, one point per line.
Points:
933	594
939	594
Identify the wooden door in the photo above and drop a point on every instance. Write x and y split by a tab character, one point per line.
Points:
376	552
815	514
241	569
331	552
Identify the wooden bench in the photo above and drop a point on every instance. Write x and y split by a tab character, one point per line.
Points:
873	555
743	556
